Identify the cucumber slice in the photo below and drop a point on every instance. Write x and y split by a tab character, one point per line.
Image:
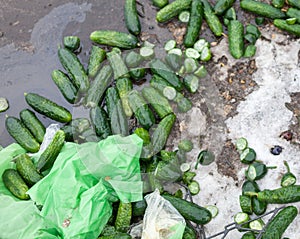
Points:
205	54
188	176
241	218
241	144
213	210
184	16
250	51
291	21
288	178
147	53
200	44
257	224
176	51
171	44
148	44
201	72
185	167
230	14
191	83
190	65
253	30
194	187
185	145
192	53
205	157
169	92
3	104
248	156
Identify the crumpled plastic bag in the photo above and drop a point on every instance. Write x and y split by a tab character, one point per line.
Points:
161	219
77	194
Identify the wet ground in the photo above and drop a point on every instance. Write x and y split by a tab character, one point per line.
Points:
230	102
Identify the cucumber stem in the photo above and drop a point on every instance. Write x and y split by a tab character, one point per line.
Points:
271	167
251	194
287	166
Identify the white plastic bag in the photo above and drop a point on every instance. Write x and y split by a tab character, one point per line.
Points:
161	219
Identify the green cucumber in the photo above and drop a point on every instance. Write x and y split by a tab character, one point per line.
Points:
100	122
230	14
21	134
212	19
191	83
283	25
35	126
137	74
190	211
143	134
97	56
118	65
72	42
248	155
75	69
174	61
75	128
246	204
159	103
118	119
288	178
248	235
173	9
294	3
259	207
15	184
124	86
123	218
262	9
161	69
119	235
114	38
280	223
278	3
222	6
133	59
132	20
65	86
194	24
160	3
236	38
250	51
256	171
141	110
50	154
161	133
27	169
98	86
183	104
139	208
250	186
48	108
189	232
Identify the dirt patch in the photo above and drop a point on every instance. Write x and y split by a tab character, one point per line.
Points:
294	106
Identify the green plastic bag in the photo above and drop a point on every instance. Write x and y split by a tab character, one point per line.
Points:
77	194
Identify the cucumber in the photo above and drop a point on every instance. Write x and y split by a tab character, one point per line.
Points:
183	103
75	128
185	145
250	186
236	38
294	3
194	24
212	19
97	56
161	133
141	110
173	9
123	218
159	103
161	69
27	169
35	126
48	108
50	154
246	204
75	69
190	211
222	6
21	134
248	235
133	59
118	65
100	122
132	20
250	51
98	86
262	9
70	133
288	178
174	61
143	134
137	74
189	232
256	171
283	195
65	86
259	207
72	42
116	235
139	208
278	3
15	184
124	86
191	83
283	25
114	38
118	119
280	223
248	155
160	3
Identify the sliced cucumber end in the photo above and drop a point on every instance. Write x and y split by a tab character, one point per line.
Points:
4	105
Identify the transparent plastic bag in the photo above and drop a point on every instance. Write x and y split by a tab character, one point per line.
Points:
161	219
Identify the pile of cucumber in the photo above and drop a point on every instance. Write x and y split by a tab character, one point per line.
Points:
108	88
254	201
